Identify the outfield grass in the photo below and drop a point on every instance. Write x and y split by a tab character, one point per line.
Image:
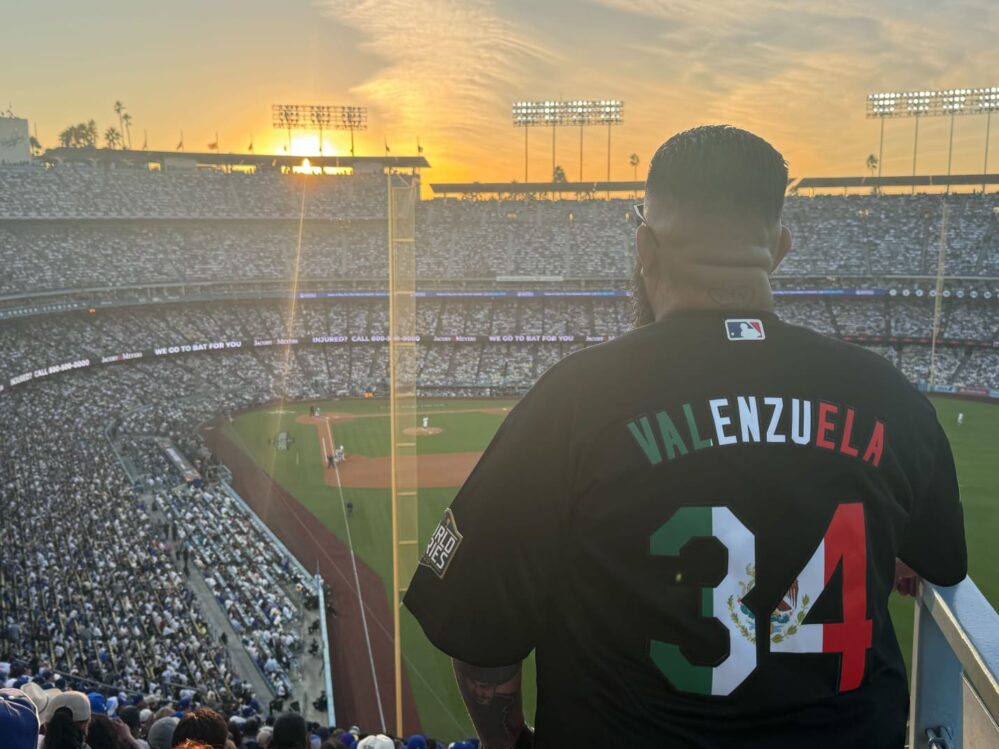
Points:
299	470
974	444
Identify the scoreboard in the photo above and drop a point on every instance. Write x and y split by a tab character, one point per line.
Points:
15	147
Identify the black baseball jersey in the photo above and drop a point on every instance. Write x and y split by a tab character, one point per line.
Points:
695	526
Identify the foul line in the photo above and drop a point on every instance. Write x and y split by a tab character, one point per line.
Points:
381	626
357	579
321	549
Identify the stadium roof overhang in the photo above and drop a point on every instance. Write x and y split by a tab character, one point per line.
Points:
527	188
631	187
921	180
260	161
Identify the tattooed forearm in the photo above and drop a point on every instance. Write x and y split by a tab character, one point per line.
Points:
494	702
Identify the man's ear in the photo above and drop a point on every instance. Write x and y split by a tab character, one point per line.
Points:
783	247
648	251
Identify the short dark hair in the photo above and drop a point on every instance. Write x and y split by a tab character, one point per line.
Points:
204	725
290	732
720	169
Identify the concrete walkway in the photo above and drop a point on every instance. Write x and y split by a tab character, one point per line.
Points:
306	673
307	676
218	622
242	664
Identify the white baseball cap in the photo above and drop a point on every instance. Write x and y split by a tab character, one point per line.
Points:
381	741
40	697
77	702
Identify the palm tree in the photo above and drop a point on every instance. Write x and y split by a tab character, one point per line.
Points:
558	175
112	138
80	135
36	147
633	160
127	119
119	110
872	164
90	134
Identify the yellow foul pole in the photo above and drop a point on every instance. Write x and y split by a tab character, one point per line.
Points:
402	404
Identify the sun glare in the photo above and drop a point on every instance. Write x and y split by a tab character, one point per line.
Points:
307	144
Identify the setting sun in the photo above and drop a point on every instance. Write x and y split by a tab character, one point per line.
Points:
306	144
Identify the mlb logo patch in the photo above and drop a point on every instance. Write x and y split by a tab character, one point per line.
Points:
745	330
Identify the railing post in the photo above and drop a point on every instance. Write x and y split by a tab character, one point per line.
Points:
327	662
935	701
955	669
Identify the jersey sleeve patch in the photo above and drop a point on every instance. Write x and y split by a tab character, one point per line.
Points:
442	546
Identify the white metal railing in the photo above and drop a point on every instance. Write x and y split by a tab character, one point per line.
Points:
955	670
327	662
316	580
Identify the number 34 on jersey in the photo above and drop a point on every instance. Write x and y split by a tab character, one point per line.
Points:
786	631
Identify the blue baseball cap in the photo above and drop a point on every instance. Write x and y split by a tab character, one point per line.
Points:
18	720
98	706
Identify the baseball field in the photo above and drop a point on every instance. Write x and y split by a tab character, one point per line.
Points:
333	511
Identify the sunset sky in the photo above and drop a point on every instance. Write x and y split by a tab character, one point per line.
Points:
796	72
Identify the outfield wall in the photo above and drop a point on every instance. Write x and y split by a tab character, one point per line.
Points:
960	392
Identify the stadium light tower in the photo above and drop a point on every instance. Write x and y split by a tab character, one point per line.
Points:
319	117
286	117
942	103
352	119
578	113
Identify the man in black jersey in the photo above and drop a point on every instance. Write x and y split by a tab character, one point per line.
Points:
696	525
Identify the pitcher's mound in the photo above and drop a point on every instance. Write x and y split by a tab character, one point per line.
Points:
422	431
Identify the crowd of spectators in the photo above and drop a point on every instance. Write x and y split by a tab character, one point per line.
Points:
865	235
249	578
37	714
103	596
103	600
50	255
68	191
497	349
73	226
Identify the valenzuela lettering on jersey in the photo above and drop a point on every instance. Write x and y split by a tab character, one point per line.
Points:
750	419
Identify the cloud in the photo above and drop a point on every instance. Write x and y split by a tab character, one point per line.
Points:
900	40
451	67
447	70
798	73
